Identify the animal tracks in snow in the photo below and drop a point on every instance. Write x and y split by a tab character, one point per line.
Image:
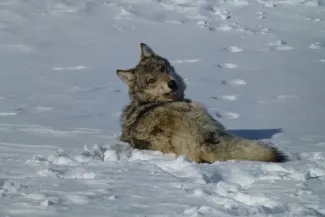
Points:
280	45
286	97
317	45
4	114
235	82
232	49
278	99
18	48
224	28
185	61
261	15
228	65
34	109
69	68
229	97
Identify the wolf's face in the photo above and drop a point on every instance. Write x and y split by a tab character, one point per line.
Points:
153	79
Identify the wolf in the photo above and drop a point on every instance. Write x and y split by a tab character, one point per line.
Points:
159	117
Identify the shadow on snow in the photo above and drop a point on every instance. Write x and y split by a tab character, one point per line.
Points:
256	134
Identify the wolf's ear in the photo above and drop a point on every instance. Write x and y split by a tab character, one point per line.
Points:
146	51
125	75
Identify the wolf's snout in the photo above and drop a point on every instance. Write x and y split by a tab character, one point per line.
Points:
172	85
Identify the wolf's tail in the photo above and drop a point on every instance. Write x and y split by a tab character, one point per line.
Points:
229	147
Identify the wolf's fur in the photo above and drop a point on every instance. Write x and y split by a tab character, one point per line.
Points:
158	118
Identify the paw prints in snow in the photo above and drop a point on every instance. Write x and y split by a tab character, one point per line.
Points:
235	82
231	115
69	68
316	46
261	15
279	99
228	66
280	46
223	14
232	49
313	19
186	61
286	97
34	110
5	114
11	187
224	28
229	97
19	48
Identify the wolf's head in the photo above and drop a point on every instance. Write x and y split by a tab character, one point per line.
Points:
153	79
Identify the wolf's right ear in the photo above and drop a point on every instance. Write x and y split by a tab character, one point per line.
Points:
146	51
125	75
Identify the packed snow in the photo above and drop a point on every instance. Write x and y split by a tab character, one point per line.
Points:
257	65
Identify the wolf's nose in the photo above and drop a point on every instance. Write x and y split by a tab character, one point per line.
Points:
172	85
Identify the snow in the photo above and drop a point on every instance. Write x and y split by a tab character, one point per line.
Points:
258	67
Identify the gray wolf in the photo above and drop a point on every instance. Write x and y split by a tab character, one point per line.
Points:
159	117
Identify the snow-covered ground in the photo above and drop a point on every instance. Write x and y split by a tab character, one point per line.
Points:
257	65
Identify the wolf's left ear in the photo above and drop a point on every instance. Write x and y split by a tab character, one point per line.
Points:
146	51
125	75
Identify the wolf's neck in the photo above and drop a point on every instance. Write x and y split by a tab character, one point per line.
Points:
134	103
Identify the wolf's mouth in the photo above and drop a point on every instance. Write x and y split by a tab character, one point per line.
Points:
171	93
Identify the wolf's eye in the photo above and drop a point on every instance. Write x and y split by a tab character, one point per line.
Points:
151	80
